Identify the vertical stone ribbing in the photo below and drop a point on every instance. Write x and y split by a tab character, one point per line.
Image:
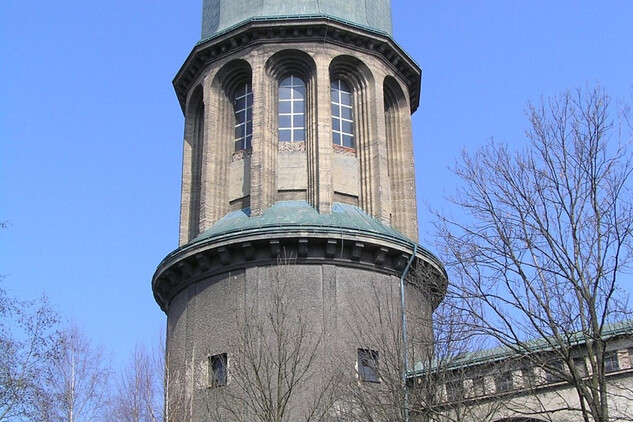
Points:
269	135
221	120
207	168
192	167
383	169
185	195
364	147
320	156
260	188
409	206
377	139
312	190
392	132
400	159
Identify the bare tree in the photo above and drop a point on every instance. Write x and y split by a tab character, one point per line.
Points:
27	341
74	383
375	389
277	358
545	239
438	343
139	391
441	383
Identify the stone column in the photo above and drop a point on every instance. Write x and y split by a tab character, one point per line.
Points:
320	191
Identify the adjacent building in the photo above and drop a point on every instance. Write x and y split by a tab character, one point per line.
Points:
527	383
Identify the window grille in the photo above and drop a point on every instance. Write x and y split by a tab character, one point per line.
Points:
291	109
218	370
342	114
368	365
243	106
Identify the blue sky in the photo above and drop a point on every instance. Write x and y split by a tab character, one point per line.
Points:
91	131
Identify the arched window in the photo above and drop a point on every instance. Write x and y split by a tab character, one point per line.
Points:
292	92
243	106
342	114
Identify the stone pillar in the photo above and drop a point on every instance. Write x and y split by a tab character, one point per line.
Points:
320	154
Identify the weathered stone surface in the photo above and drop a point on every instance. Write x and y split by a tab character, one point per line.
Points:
377	175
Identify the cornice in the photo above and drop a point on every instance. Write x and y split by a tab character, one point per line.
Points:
317	30
211	258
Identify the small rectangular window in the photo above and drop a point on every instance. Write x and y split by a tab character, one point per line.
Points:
611	363
527	374
454	390
554	371
581	366
218	370
503	382
479	387
368	365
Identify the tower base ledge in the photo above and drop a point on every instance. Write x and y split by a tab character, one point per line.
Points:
212	257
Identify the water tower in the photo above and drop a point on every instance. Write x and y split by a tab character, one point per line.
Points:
298	191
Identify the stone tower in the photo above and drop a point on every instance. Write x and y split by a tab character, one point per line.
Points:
298	227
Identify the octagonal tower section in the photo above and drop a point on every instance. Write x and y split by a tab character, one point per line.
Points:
228	165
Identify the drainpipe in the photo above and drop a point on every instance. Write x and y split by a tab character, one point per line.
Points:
404	334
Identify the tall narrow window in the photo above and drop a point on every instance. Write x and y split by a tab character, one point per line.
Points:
342	115
368	365
292	93
243	106
218	373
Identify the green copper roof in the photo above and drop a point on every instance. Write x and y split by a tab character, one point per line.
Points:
298	218
300	215
218	15
487	356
